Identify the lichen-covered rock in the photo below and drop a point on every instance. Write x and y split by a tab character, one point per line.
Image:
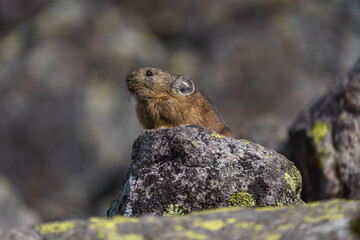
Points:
325	143
319	220
189	168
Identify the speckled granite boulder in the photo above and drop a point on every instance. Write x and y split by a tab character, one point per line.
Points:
325	143
189	168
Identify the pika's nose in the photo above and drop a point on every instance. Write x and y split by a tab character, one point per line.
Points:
129	77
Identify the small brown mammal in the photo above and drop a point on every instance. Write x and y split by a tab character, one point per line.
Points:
168	100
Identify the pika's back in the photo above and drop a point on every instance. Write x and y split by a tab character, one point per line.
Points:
168	100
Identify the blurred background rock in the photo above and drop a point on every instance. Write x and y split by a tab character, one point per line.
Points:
67	122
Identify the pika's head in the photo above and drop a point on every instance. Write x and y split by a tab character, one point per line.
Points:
154	83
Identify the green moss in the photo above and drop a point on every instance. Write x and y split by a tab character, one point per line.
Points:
242	199
174	210
54	227
213	225
219	136
131	162
319	131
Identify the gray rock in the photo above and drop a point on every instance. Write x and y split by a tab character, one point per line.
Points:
189	168
325	142
320	220
13	211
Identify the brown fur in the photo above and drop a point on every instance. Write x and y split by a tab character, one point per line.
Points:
160	105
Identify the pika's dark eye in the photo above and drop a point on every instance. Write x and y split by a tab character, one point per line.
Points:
149	73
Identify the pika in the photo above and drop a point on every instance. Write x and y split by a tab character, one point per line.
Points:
168	100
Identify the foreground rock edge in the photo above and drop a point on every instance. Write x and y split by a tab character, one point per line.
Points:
317	220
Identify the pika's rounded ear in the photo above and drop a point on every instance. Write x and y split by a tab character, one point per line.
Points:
184	86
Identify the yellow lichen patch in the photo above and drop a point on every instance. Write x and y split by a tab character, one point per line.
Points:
294	180
319	131
322	153
274	236
267	209
250	226
296	176
313	204
193	235
285	227
54	227
219	136
342	116
106	227
178	228
132	236
331	211
290	182
325	217
231	220
174	210
242	199
97	221
245	141
195	143
213	225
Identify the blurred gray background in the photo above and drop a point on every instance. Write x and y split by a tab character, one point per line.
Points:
67	123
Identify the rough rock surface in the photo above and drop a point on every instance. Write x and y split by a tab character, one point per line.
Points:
325	141
319	220
191	168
